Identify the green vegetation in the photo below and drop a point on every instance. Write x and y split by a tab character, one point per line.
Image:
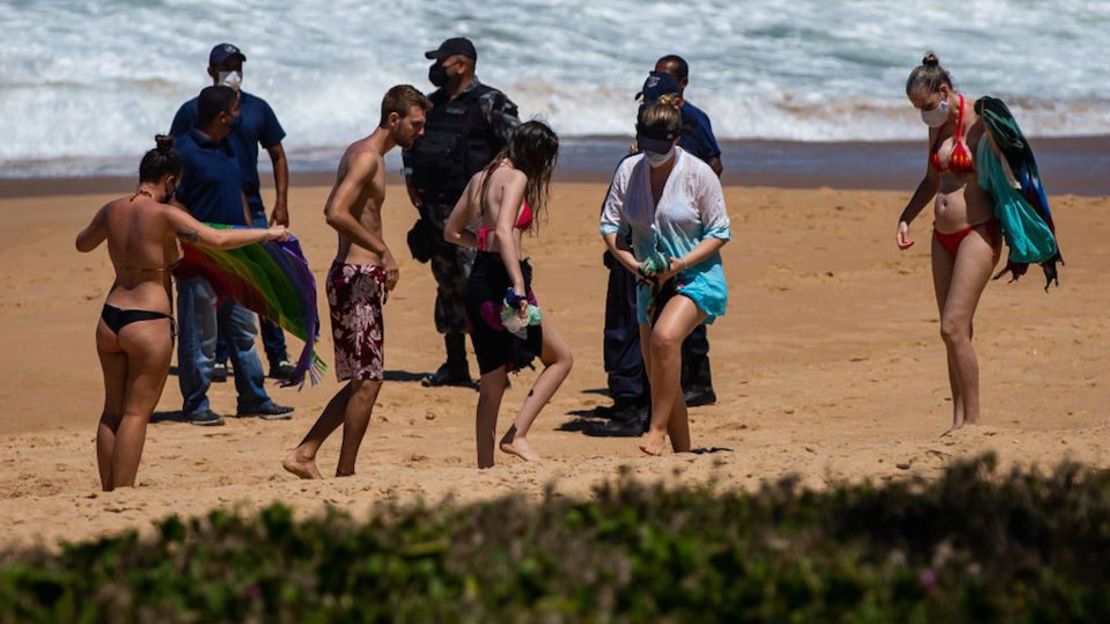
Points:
971	546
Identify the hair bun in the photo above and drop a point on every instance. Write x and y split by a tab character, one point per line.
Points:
669	99
930	60
164	142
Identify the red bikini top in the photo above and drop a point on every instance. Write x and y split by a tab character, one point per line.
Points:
523	221
959	159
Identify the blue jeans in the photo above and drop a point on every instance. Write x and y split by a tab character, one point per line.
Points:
273	339
198	315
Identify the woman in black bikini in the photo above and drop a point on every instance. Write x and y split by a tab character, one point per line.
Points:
501	203
134	337
966	240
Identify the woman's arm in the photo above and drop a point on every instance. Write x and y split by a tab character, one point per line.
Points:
94	233
926	190
188	229
622	255
613	227
512	196
455	230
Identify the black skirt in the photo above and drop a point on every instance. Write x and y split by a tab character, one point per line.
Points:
485	294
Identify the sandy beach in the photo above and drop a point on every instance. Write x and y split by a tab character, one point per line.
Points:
828	365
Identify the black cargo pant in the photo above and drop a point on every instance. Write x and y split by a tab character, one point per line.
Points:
450	268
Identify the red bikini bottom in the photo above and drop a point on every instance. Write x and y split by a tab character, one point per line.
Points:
952	241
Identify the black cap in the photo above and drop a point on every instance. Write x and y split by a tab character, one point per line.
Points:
451	47
222	52
657	85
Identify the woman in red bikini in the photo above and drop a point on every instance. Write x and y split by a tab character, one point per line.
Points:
134	337
497	207
966	240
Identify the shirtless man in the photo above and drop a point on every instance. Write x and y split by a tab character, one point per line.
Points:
363	273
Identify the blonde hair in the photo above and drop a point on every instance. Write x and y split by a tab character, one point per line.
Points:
663	114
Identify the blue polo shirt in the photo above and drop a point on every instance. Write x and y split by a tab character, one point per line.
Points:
256	125
697	133
211	185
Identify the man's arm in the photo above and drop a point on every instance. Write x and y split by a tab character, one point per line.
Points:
715	164
714	160
280	213
501	114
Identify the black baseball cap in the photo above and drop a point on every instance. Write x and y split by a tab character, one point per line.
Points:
451	47
222	52
657	85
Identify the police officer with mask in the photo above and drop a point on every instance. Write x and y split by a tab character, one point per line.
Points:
467	126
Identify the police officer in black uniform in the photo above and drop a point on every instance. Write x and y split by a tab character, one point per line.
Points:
468	125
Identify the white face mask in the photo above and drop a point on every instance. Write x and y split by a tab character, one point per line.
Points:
656	160
231	79
935	117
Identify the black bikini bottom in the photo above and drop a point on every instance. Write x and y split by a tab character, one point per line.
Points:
116	319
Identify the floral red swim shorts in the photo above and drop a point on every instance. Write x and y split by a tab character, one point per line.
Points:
356	295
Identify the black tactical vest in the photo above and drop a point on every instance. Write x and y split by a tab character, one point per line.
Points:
458	142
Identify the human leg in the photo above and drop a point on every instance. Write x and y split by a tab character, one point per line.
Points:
149	347
249	376
557	361
273	343
356	417
668	410
219	367
697	377
943	262
196	344
971	271
451	269
491	389
301	461
624	364
113	364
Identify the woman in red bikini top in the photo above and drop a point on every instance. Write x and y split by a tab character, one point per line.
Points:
966	237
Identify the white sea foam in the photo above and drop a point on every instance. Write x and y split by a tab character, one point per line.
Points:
85	85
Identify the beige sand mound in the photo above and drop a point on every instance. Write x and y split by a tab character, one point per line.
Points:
828	365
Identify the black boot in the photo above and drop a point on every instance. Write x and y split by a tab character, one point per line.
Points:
698	389
630	422
455	371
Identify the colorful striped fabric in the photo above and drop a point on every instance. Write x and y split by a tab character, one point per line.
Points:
270	278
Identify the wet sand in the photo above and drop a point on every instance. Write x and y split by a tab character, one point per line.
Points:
828	365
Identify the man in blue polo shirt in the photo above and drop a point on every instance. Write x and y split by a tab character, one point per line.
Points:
256	125
211	189
697	133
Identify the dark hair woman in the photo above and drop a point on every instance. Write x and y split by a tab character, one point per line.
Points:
134	337
499	204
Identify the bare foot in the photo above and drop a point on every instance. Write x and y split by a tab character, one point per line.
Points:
303	468
516	445
953	429
653	443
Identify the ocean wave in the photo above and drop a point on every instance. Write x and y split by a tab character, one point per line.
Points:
88	83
